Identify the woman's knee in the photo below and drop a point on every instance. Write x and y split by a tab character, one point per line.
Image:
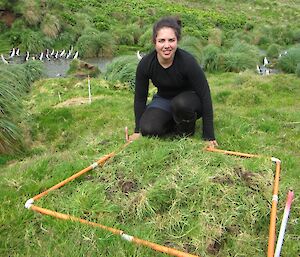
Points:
186	106
150	129
155	122
186	101
179	103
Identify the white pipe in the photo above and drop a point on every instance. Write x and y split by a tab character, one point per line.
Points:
126	134
274	159
29	203
284	222
90	94
127	237
94	165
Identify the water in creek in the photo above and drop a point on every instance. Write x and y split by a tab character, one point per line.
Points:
58	67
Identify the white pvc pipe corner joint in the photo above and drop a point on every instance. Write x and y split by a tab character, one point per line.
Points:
29	203
127	237
94	165
274	159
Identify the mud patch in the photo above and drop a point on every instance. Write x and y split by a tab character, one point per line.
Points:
127	186
246	176
239	175
214	247
225	180
7	17
171	245
189	248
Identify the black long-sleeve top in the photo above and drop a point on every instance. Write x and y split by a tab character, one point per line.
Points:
184	74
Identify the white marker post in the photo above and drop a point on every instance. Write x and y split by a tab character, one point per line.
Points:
284	222
89	85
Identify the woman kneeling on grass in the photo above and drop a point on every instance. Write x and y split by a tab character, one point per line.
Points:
183	93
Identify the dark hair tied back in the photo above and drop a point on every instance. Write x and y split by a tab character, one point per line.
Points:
167	22
178	21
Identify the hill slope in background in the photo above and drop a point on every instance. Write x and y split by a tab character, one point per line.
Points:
168	191
36	25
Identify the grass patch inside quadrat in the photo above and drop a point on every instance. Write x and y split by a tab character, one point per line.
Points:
205	205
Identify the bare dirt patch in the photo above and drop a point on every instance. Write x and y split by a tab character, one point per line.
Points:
76	101
7	17
127	186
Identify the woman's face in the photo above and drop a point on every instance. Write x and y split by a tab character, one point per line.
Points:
166	44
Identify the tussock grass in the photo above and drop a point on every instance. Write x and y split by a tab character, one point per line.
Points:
289	62
15	82
215	37
32	12
122	69
94	43
168	191
128	36
192	45
211	58
146	40
33	42
51	26
273	51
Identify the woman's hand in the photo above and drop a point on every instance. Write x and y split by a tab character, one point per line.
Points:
212	144
134	136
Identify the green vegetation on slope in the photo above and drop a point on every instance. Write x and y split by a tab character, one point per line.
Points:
60	24
167	191
15	83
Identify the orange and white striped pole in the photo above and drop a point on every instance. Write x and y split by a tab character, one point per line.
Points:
284	221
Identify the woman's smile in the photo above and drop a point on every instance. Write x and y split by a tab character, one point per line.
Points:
166	45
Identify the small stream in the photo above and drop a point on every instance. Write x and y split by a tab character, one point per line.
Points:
59	68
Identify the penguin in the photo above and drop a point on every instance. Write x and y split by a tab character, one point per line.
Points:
47	54
75	55
68	54
258	69
12	53
41	56
62	53
266	62
3	59
139	56
26	58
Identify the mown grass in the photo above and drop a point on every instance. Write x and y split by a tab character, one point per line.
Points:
169	191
